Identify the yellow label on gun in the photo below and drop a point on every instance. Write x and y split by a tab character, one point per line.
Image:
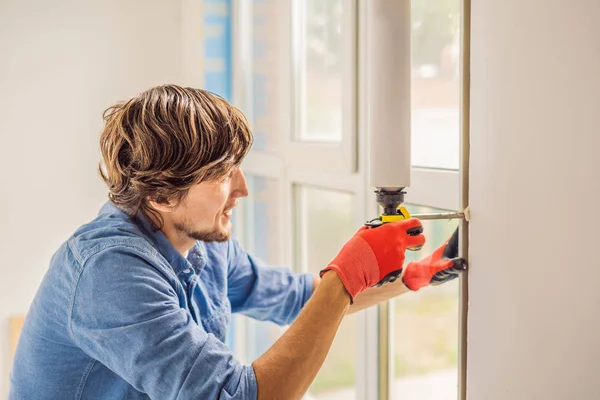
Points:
404	214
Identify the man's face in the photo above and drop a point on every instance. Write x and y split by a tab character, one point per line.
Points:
205	213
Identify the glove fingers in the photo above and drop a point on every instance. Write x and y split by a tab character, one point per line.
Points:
415	241
408	223
448	270
410	230
401	227
457	265
414	233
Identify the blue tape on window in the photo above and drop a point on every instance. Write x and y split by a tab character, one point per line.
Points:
217	71
217	47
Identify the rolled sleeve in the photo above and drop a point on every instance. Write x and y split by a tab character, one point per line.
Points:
265	292
126	315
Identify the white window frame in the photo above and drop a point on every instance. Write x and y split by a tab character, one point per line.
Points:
325	156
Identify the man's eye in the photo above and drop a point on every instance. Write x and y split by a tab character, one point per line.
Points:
228	176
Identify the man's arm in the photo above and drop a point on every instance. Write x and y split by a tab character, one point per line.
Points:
265	292
288	368
373	296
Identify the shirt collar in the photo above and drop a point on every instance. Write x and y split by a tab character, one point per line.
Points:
179	263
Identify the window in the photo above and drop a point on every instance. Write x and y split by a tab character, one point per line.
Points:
263	239
435	83
304	188
266	78
324	223
320	76
425	329
298	84
323	84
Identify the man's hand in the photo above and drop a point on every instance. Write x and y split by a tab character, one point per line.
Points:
441	266
375	254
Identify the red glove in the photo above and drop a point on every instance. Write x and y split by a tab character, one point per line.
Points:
375	255
441	266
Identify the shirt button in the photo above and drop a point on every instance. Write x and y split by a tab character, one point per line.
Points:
186	271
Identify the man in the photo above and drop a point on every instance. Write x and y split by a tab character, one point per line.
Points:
135	305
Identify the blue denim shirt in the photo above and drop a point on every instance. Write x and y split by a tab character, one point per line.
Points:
121	314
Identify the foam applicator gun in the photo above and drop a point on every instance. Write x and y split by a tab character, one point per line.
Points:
393	210
389	100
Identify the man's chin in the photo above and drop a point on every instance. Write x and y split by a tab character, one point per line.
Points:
216	235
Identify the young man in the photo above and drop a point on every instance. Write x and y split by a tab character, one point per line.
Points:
135	305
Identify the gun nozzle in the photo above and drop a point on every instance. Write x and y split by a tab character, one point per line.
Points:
389	199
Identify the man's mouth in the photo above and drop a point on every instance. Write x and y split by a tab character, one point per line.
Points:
228	211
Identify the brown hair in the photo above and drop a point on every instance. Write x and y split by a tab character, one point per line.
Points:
160	143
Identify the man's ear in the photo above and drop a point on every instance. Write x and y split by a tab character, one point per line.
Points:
162	205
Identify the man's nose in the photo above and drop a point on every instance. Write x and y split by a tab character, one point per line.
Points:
240	185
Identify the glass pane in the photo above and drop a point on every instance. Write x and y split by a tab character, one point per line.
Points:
266	76
326	221
435	83
261	215
426	329
320	71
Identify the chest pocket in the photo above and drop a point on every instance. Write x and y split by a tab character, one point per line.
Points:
207	290
209	307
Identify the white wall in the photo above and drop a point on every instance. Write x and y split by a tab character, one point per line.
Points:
534	320
61	64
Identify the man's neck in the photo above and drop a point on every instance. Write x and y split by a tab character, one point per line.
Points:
180	242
